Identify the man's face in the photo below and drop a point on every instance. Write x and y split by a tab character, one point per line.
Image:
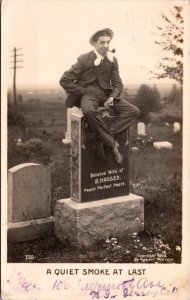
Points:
102	45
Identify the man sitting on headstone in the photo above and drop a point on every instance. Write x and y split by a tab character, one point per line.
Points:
94	81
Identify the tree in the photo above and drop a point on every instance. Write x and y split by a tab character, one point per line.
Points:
171	42
147	100
175	96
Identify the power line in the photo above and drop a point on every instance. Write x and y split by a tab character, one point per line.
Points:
15	66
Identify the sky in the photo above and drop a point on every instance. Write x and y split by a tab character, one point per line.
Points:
53	33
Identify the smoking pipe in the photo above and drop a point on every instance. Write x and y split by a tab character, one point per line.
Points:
113	50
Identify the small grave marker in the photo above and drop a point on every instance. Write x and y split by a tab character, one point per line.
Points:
176	127
141	128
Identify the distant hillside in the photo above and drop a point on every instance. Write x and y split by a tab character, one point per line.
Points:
45	95
58	94
162	88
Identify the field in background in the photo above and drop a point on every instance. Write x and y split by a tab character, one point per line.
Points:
154	174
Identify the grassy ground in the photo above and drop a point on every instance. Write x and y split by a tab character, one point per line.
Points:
154	174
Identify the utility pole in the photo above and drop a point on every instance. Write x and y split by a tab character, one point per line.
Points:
15	61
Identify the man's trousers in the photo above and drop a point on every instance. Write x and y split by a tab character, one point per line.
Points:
125	113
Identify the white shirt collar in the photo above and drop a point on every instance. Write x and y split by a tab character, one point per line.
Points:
100	57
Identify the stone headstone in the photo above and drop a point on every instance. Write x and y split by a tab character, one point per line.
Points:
176	127
141	128
163	145
91	177
67	139
83	219
29	192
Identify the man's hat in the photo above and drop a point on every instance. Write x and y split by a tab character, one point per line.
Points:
101	32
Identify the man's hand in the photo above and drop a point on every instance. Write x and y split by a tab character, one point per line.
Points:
109	102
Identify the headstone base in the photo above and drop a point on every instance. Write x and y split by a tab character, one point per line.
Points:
84	224
67	139
29	230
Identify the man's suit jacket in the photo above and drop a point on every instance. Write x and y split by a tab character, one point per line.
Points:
84	73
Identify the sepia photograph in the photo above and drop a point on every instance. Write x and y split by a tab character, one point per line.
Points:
93	113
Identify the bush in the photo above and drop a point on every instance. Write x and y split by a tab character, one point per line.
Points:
147	100
35	150
11	119
165	116
34	145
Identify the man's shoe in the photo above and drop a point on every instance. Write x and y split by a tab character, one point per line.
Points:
100	150
117	156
